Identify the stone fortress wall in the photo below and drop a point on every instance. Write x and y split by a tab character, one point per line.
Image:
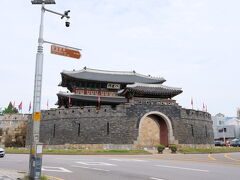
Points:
117	127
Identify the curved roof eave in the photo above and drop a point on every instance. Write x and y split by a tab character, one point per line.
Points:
153	89
112	76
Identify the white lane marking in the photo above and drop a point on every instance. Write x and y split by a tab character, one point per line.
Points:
153	178
75	159
98	169
96	163
190	169
55	169
128	160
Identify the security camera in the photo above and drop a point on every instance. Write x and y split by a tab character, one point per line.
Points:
65	14
67	23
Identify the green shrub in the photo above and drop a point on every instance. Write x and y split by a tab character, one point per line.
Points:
173	148
160	148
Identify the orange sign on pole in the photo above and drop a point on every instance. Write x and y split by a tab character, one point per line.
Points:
65	52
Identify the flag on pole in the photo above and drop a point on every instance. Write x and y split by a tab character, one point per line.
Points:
47	104
99	96
192	102
203	107
30	107
20	106
206	108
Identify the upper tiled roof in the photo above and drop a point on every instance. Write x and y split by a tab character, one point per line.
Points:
152	89
112	76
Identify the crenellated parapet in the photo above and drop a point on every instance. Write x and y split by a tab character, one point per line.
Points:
195	115
84	112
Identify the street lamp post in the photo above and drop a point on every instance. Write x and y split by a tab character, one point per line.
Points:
35	160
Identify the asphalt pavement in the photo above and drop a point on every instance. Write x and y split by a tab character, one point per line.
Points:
6	174
133	167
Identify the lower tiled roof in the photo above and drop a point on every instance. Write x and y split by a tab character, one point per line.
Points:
93	98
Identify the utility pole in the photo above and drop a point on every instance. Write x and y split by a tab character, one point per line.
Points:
35	160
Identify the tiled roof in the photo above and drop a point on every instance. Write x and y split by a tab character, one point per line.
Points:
152	89
112	76
93	98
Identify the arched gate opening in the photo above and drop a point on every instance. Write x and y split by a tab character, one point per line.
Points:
155	128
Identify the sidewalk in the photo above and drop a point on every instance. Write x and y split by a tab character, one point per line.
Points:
11	174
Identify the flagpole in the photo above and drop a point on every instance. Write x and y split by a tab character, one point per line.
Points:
192	102
30	107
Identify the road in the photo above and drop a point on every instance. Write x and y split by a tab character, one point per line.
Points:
133	167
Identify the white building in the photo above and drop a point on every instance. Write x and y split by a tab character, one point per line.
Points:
226	127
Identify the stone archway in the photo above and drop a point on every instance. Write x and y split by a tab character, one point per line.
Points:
155	128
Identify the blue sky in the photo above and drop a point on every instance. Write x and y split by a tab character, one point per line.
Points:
193	44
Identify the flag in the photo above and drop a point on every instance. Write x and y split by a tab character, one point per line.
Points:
47	104
192	102
99	97
30	106
20	106
206	108
203	107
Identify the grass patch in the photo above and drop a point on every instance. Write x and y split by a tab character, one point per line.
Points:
16	150
42	177
77	151
213	150
82	151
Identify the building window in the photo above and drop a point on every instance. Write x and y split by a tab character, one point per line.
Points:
79	128
221	122
222	129
103	86
108	128
54	130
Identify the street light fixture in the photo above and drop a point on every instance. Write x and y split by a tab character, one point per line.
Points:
43	1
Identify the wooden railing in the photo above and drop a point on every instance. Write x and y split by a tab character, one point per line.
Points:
94	92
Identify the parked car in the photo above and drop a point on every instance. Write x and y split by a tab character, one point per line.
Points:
235	143
2	152
219	143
